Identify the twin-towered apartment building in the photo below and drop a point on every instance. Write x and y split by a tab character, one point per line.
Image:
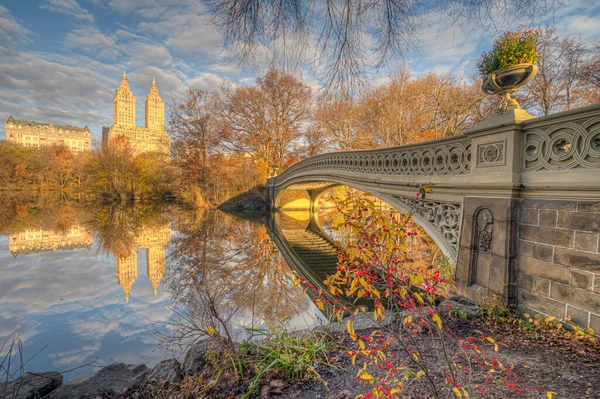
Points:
151	138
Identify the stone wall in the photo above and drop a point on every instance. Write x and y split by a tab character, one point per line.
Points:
559	259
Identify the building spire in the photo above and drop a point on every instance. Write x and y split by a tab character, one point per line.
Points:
124	75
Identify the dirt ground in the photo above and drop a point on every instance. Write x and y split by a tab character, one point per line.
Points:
569	368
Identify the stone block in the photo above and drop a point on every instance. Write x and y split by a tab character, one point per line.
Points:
536	285
540	286
463	263
585	300
498	274
543	269
582	279
588	206
577	316
586	241
525	281
579	221
466	233
596	282
526	248
549	204
543	252
578	259
482	273
529	216
595	323
542	304
547	235
548	218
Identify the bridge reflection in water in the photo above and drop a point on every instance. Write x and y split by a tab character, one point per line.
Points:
304	245
306	238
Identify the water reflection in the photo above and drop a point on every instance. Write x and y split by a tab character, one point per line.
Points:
58	283
123	231
228	275
70	276
39	240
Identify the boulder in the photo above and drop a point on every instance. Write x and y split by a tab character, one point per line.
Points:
30	384
195	358
110	380
460	304
166	371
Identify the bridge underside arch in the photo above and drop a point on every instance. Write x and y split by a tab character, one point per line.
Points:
440	216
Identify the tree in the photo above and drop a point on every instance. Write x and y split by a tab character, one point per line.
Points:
340	121
591	69
560	70
265	120
192	123
113	167
62	167
342	40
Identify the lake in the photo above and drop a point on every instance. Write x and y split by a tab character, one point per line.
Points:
85	283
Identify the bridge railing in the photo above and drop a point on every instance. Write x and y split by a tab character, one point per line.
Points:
445	156
529	153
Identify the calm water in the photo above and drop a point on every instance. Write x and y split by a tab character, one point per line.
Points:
87	283
84	283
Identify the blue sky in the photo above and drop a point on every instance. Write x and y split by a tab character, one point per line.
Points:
61	60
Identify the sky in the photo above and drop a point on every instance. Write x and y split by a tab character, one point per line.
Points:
61	60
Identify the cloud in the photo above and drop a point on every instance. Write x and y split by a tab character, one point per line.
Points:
206	81
92	41
68	7
56	89
11	32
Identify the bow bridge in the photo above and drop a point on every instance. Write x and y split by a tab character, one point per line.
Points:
515	204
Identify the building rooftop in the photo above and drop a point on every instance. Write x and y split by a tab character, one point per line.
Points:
73	129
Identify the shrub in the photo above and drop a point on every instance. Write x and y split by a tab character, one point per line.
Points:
416	354
511	48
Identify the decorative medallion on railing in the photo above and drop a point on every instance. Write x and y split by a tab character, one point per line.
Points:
444	217
491	154
453	157
563	146
485	224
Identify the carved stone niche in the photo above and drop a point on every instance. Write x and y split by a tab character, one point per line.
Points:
485	223
482	247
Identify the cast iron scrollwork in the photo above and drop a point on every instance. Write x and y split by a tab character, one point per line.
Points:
485	224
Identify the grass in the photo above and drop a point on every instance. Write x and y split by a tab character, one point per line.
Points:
290	357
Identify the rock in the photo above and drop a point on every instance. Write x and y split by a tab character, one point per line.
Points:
29	384
460	304
166	371
110	380
195	358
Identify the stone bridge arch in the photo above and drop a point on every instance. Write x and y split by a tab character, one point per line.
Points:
526	192
440	218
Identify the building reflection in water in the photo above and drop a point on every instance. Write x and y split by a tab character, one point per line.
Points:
154	240
122	231
31	240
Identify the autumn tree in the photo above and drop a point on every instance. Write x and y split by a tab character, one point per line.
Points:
559	80
112	167
191	122
409	110
265	120
341	122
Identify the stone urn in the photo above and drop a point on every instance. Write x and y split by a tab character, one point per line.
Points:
508	80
